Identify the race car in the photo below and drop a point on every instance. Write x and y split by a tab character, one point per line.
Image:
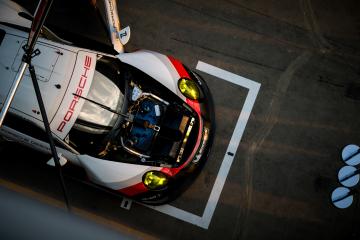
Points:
137	123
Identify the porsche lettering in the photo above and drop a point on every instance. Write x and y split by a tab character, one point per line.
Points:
78	92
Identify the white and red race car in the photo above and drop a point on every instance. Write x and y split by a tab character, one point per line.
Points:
137	123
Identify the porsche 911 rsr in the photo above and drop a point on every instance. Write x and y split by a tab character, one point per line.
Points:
138	123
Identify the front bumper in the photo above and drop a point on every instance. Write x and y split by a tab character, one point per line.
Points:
181	178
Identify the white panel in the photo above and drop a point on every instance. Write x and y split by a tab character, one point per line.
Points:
155	65
114	175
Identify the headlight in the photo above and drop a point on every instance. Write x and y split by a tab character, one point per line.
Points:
155	180
189	88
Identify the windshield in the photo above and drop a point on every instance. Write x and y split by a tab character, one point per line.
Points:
100	114
104	91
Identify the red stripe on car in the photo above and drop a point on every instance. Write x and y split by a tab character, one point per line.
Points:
194	104
184	74
179	67
134	189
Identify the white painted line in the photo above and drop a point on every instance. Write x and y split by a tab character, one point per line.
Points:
228	76
179	214
253	87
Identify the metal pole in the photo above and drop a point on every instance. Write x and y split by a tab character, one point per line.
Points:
12	92
40	15
39	18
48	132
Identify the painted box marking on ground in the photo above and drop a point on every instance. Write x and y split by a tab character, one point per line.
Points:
253	87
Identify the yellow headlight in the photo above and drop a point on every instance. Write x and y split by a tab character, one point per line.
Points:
189	88
155	180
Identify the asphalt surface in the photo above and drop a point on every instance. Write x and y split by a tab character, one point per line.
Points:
306	55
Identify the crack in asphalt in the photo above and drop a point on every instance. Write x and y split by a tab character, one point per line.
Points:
228	55
257	141
322	42
261	34
311	23
239	5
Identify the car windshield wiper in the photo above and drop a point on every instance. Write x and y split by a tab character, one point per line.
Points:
128	117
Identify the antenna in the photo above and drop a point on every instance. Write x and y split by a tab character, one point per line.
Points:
39	19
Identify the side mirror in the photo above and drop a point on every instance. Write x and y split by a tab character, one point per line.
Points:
62	160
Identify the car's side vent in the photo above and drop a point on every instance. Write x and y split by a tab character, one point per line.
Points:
26	16
2	35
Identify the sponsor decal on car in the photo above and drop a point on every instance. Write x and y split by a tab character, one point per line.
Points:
79	86
78	92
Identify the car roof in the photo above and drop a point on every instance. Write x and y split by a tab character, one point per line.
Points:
54	67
